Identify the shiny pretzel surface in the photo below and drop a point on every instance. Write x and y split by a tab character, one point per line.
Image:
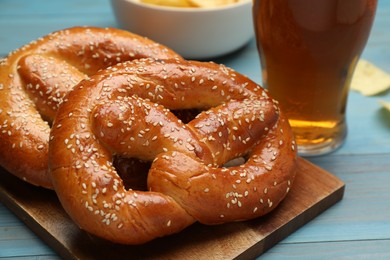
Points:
126	111
35	78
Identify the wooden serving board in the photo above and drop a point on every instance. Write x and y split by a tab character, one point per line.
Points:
314	191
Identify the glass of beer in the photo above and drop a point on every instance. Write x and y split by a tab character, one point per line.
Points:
308	51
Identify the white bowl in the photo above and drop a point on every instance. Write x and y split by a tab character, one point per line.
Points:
194	33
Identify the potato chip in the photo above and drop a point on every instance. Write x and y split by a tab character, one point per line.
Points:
369	80
385	104
211	3
175	3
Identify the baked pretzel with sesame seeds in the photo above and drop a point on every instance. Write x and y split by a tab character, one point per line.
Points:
35	78
125	111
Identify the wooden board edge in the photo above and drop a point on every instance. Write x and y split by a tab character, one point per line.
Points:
252	251
35	226
289	228
301	219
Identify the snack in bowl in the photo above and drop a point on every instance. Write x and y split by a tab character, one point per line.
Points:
197	33
175	3
191	3
212	3
125	111
35	78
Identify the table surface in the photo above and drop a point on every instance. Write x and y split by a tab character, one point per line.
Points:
358	227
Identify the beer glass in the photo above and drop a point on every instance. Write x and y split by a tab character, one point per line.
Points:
308	51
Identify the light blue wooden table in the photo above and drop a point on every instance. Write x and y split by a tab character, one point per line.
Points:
358	227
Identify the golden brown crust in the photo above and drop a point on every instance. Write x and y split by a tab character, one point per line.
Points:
37	76
125	111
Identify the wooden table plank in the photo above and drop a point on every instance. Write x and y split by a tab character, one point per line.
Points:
49	8
354	250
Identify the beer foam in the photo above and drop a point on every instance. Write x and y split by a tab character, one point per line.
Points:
369	80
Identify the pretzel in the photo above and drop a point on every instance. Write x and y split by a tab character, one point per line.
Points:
35	78
126	111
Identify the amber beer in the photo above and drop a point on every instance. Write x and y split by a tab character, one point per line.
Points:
309	50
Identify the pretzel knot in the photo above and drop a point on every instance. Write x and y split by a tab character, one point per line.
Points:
125	111
35	78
